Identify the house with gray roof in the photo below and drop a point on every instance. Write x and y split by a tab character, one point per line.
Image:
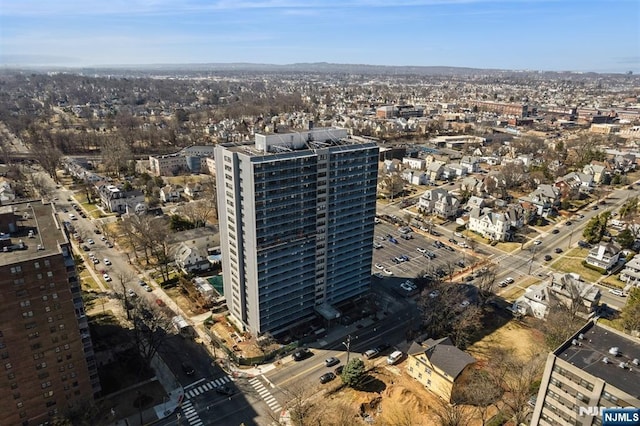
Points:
438	365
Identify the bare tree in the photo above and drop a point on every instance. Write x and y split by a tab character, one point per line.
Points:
149	328
116	154
49	159
479	391
486	284
452	414
516	376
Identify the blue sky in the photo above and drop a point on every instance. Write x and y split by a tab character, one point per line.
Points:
577	35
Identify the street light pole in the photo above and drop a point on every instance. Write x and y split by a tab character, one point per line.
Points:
348	345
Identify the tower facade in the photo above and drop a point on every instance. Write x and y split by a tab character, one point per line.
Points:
296	218
47	355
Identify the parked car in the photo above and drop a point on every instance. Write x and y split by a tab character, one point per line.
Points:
558	250
379	266
377	245
421	250
547	257
90	241
106	261
327	377
617	292
131	293
393	240
338	370
555	231
106	277
371	353
330	362
386	271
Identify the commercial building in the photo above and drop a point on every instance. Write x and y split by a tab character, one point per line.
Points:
596	367
47	356
296	216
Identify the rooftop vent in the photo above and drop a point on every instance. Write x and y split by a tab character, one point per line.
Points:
31	235
574	342
635	361
581	336
40	247
615	351
623	365
605	360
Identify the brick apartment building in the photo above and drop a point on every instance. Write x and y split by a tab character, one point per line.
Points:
48	363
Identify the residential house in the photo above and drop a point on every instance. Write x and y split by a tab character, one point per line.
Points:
516	215
565	289
169	193
192	189
471	163
475	203
545	197
453	171
191	248
438	365
435	170
596	170
566	190
414	163
390	166
624	163
489	224
116	200
415	177
631	272
439	202
604	255
7	195
473	186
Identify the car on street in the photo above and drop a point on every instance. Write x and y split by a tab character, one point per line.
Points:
302	353
406	287
187	369
147	288
379	266
106	261
460	263
382	347
330	362
378	275
327	377
106	277
109	244
617	292
224	390
457	234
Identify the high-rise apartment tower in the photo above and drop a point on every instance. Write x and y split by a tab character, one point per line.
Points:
48	364
296	217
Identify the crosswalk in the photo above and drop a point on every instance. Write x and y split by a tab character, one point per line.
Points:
207	387
265	395
191	414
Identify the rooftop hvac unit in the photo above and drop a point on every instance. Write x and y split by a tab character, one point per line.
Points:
615	351
574	342
636	361
605	360
581	336
623	365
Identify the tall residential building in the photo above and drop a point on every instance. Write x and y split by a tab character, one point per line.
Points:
596	367
296	215
47	356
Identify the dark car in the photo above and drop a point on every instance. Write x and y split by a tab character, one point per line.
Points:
338	370
85	248
453	241
547	257
555	231
594	207
569	223
97	231
393	240
327	377
301	354
224	390
558	250
330	362
188	369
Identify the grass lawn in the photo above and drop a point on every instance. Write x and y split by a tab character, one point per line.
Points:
574	264
508	247
614	281
88	283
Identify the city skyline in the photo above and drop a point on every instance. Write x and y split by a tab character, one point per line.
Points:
502	34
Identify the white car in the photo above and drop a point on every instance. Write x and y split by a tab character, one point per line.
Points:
537	242
131	293
106	261
617	292
406	287
434	294
421	250
386	271
464	304
106	277
379	266
90	241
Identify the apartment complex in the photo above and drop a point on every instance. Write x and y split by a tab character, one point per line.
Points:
187	160
47	355
296	215
596	367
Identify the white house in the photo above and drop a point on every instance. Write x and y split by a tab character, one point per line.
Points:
471	163
414	163
117	200
491	225
559	288
631	272
191	258
6	193
169	193
604	255
192	189
440	202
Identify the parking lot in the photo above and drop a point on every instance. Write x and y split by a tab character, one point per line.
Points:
429	258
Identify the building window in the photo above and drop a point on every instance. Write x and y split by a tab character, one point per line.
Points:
50	274
36	265
25	303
